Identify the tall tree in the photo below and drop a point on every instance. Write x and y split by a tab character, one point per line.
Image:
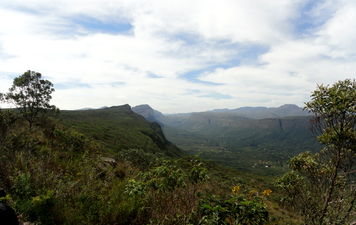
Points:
31	95
322	186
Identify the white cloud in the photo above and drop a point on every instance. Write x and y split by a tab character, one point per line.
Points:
339	32
171	38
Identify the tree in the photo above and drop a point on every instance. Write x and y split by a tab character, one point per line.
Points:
31	96
322	186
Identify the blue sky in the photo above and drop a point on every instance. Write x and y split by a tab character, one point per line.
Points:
179	56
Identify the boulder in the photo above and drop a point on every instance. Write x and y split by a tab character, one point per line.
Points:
109	161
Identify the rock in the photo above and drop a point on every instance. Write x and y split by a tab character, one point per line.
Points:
110	161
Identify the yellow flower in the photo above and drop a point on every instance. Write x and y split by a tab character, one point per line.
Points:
236	190
251	193
267	192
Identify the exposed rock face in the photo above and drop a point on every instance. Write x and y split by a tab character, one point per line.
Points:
147	112
109	161
263	112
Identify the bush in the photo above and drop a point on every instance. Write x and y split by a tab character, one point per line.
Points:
239	209
321	186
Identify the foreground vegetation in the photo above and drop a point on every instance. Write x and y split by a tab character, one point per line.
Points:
124	171
55	175
321	187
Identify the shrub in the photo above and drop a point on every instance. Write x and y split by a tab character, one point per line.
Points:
239	209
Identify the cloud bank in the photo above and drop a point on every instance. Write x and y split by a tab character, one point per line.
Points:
179	56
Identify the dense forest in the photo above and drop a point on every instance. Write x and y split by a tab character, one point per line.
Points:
113	166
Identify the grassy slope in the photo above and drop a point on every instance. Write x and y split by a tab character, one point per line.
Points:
119	128
56	175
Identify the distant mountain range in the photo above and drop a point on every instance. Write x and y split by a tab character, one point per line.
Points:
239	135
92	108
251	112
259	112
242	138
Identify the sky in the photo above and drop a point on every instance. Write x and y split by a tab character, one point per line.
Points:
179	56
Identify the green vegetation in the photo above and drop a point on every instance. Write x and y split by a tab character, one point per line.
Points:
31	96
55	175
111	166
119	128
240	209
261	146
321	187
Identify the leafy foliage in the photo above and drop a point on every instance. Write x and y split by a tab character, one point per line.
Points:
54	174
321	186
169	192
239	209
31	96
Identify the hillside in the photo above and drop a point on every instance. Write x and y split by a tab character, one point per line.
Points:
234	138
147	112
264	112
264	146
119	128
249	112
56	175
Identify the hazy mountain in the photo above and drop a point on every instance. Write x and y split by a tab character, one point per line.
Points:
171	120
264	112
93	108
147	112
243	112
239	137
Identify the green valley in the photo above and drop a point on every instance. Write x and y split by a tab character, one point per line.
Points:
123	165
262	146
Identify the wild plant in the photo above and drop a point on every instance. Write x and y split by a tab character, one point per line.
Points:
239	209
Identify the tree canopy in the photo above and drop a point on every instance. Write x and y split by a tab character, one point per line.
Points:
321	186
31	96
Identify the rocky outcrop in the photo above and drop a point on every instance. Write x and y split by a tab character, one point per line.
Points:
109	161
147	112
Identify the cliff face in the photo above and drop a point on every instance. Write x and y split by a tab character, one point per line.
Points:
205	122
148	113
263	112
145	111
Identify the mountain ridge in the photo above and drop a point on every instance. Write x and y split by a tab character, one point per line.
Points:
120	128
239	135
